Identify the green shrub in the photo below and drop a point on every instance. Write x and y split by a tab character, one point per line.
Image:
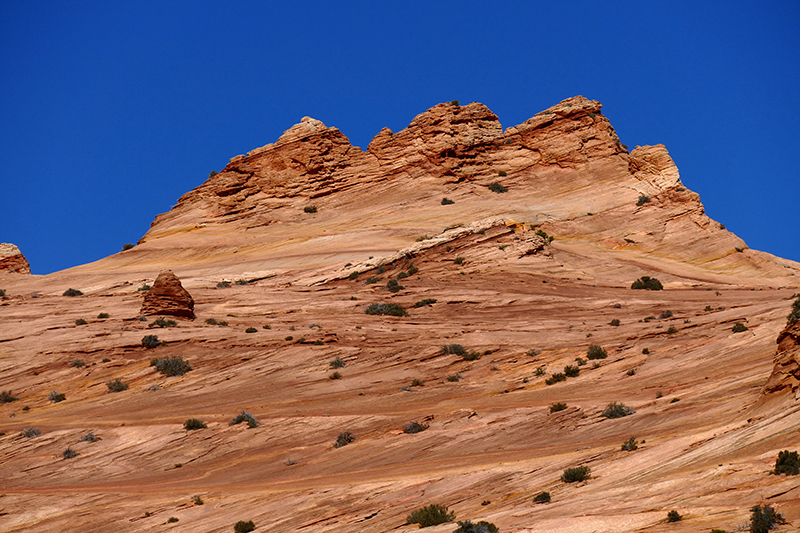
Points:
580	361
2	293
56	397
571	371
172	520
417	382
673	516
455	103
560	406
250	330
481	527
498	188
739	327
335	375
69	453
223	285
447	201
614	322
244	416
7	397
578	473
337	363
502	173
542	497
150	341
643	199
353	275
426	301
647	283
77	363
244	527
596	352
211	321
414	427
631	372
193	423
80	322
617	410
794	314
555	378
630	445
344	439
547	238
431	515
72	292
764	518
458	260
116	385
412	270
173	365
103	315
671	330
197	500
394	286
90	437
144	287
310	209
787	463
30	433
645	351
127	246
455	377
665	314
372	279
385	309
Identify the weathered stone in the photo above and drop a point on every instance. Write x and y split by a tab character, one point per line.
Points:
785	375
168	297
12	260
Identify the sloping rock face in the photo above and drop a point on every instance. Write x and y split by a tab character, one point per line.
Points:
12	260
785	375
168	297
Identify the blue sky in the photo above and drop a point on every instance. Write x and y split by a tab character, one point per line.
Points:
110	111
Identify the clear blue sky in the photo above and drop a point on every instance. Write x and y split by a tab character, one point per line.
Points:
110	110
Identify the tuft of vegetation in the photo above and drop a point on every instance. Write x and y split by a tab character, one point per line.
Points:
764	518
173	365
394	286
162	322
555	378
144	287
337	363
571	371
596	351
2	293
211	321
223	285
172	519
31	433
739	327
241	282
127	246
116	385
80	322
372	279
250	330
244	527
457	349
502	173
794	315
385	309
481	527
447	201
580	361
72	292
578	473
103	315
7	397
416	382
69	453
412	270
645	351
310	209
560	406
335	375
671	330
77	363
197	500
194	423
426	301
787	463
498	188
643	199
344	439
458	260
674	516
542	497
547	238
617	410
455	103
630	445
631	372
150	341
244	416
665	314
431	515
90	437
614	322
647	283
414	427
540	370
455	377
56	397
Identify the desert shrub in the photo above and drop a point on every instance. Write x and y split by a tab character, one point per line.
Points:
289	338
426	301
7	397
580	361
335	375
212	321
416	382
90	437
56	397
631	372
80	322
103	315
244	527
372	279
630	445
555	378
150	341
794	314
337	363
455	103
560	406
571	371
162	322
647	283
542	497
353	275
310	209
481	527
31	433
194	423
763	518
596	352
787	463
414	427
458	260
547	238
447	201
402	275
496	187
69	453
385	309
244	416
455	349
116	385
2	293
197	500
454	377
77	363
715	530
674	516
645	351
412	270
540	370
250	330
381	269
394	286
431	515
671	330
172	519
127	246
643	199
739	327
173	365
617	410
614	322
578	473
144	287
72	292
223	285
665	314
344	439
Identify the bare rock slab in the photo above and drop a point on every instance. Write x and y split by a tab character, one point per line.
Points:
168	297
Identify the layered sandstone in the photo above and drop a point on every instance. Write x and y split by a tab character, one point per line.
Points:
785	375
168	297
12	260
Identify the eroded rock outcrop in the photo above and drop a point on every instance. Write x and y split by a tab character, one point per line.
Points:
168	297
785	375
12	260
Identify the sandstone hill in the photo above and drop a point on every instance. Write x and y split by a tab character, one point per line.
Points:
519	245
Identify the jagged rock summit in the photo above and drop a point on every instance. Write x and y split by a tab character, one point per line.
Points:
167	297
12	260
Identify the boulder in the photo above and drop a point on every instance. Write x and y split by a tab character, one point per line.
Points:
168	297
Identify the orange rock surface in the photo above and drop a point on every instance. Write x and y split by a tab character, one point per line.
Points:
12	260
167	297
291	344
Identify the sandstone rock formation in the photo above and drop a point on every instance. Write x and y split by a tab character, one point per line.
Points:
12	260
168	297
785	375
